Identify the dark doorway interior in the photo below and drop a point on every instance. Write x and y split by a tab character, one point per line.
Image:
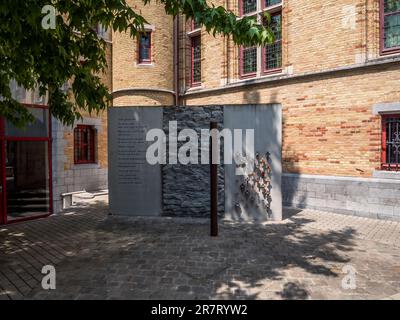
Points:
26	168
27	172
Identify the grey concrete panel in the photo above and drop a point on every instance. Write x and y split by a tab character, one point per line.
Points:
266	120
134	184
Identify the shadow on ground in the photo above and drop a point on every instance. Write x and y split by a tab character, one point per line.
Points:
163	258
26	247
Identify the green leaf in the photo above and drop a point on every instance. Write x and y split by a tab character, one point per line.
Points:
49	58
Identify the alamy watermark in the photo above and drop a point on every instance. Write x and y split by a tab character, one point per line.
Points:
49	280
349	280
238	149
49	20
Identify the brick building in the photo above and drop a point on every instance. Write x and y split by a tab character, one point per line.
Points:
45	163
334	69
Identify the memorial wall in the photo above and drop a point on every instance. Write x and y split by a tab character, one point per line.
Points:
167	188
134	184
256	195
186	188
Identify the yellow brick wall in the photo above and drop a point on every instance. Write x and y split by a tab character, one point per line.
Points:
101	152
127	73
213	49
328	125
102	138
142	98
316	36
102	155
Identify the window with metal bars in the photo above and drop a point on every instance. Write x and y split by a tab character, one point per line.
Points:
145	47
84	144
196	60
390	25
248	61
272	53
391	142
248	6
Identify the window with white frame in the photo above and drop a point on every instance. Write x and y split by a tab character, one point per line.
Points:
255	60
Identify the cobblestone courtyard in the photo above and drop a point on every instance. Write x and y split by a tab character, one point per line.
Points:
104	257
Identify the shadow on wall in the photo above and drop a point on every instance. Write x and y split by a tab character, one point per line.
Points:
294	195
251	97
289	188
254	97
256	196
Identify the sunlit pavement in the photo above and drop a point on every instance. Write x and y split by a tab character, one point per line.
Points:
310	255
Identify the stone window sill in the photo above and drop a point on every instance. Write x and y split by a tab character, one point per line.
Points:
382	108
86	166
145	65
195	88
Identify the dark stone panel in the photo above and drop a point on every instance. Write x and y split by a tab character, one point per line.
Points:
186	188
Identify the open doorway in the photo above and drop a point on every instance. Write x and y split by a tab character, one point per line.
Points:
26	168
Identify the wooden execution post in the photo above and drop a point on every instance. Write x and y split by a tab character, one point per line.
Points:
214	178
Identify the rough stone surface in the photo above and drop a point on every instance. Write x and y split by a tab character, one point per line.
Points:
186	188
100	257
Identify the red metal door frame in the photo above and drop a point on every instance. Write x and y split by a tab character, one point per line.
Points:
2	174
3	140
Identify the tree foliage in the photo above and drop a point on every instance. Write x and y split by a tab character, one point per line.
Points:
47	58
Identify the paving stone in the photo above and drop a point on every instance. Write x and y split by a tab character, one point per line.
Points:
101	257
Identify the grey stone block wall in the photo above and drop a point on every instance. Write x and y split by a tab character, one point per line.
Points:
80	177
366	197
186	189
